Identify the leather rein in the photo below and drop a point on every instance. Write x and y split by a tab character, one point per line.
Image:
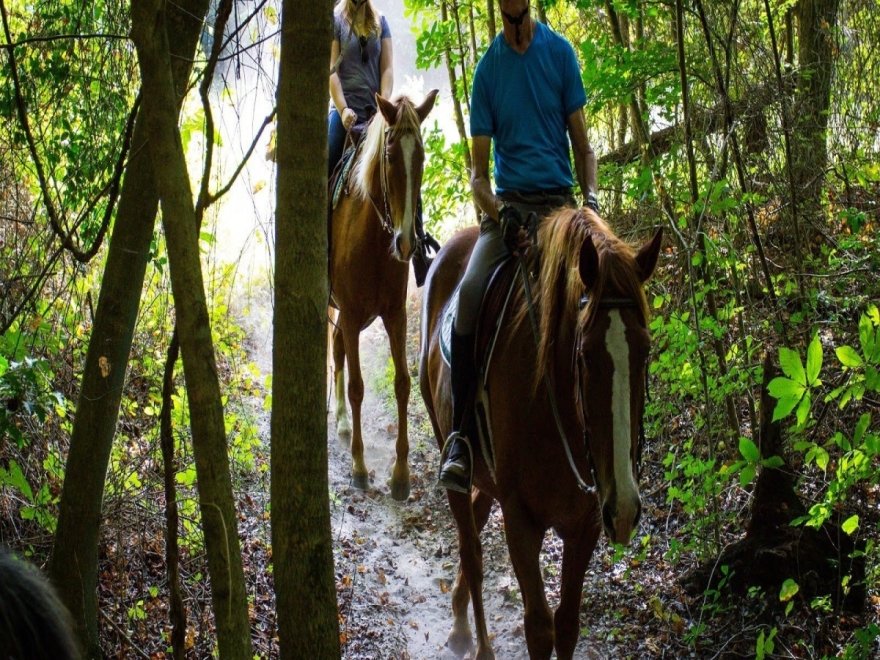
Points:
384	217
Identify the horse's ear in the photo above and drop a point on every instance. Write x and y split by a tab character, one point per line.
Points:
647	255
387	108
588	265
423	110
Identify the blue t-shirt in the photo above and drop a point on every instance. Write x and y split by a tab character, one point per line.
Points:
523	103
359	70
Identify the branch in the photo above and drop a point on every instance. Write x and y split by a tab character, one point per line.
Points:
223	12
213	197
711	121
62	37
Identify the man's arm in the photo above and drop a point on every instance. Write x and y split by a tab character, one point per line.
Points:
480	185
584	157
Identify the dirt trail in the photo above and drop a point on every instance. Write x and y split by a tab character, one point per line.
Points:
396	561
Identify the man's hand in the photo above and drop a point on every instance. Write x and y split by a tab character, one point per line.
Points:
512	228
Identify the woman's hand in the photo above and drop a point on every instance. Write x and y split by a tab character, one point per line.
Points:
349	117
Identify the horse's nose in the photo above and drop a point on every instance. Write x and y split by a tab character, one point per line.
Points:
608	518
402	247
621	521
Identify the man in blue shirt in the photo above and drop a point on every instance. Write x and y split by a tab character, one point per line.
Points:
527	100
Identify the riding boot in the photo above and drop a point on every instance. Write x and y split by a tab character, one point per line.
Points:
421	260
456	459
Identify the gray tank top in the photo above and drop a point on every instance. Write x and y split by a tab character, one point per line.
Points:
358	70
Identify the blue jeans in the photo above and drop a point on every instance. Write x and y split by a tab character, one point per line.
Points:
335	140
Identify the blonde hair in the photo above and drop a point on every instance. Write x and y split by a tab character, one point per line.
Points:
347	10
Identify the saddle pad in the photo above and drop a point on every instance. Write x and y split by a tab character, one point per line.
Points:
341	176
446	321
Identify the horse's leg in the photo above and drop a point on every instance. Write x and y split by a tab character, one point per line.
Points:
343	425
395	326
576	554
460	640
351	336
467	514
524	540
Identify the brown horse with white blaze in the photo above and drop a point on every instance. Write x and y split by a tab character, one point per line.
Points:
565	395
372	239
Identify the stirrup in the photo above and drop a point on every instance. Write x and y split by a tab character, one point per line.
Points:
455	476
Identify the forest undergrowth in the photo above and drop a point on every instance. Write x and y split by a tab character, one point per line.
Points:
636	604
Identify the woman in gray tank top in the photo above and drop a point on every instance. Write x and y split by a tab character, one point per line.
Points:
360	66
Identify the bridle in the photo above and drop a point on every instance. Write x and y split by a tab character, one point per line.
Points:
610	302
384	215
384	218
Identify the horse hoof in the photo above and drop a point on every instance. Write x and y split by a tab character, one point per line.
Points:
360	481
400	490
460	642
344	437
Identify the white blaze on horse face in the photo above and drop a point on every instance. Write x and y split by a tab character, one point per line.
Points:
621	421
407	149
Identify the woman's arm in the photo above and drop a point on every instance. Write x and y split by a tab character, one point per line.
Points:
347	115
386	69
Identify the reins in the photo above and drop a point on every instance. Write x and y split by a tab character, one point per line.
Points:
584	486
384	218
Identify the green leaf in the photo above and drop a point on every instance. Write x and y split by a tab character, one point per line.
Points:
822	458
749	450
788	590
781	387
850	525
15	477
791	365
849	357
814	360
803	409
773	462
861	427
747	475
784	407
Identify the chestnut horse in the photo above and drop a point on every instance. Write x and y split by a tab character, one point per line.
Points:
372	238
565	391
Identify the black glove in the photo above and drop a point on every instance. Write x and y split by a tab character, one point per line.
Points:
591	202
511	222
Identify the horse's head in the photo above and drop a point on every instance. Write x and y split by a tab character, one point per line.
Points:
391	167
594	340
611	353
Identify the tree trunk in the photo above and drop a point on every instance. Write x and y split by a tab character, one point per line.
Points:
816	22
302	550
216	502
74	563
772	549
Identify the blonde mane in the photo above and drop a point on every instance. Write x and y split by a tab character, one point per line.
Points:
560	289
373	144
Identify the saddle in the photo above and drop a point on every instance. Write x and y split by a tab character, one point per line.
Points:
339	177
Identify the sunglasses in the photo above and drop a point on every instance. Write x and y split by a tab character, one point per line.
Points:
364	54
